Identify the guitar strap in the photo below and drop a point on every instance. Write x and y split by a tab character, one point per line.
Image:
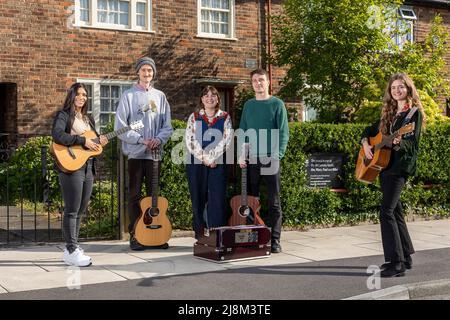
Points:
409	115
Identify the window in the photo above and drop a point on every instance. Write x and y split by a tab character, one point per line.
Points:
403	26
132	15
216	18
103	99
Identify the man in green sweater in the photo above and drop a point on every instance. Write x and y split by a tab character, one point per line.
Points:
265	125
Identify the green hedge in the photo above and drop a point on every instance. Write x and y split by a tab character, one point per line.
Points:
427	194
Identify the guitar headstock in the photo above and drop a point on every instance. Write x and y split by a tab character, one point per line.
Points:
137	125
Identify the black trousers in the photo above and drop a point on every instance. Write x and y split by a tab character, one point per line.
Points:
76	191
395	237
139	171
270	173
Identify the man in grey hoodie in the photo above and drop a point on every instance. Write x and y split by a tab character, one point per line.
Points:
142	102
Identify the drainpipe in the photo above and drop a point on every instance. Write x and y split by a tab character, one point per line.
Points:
269	43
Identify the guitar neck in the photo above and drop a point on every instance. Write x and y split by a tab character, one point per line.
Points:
244	186
386	141
155	184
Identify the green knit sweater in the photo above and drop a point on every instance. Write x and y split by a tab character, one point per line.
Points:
264	116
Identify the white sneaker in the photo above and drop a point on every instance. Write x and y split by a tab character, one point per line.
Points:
82	252
76	258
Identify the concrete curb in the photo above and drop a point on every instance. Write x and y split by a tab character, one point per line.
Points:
408	291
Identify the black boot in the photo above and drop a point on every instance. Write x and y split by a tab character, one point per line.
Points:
408	262
275	246
396	269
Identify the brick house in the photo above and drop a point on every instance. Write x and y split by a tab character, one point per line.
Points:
46	45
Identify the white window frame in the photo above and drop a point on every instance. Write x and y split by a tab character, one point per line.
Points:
132	23
401	39
95	102
231	23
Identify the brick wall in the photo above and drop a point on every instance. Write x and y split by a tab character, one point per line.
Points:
425	17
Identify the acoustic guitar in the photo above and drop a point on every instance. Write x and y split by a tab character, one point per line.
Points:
153	228
245	208
367	170
72	158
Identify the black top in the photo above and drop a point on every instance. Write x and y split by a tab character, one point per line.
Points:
403	160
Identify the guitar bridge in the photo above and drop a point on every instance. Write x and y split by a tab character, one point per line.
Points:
156	226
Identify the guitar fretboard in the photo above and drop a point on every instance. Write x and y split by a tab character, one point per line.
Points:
155	184
244	186
114	134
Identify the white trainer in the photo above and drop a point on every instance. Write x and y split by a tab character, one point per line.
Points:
76	258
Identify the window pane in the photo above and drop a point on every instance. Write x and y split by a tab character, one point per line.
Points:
124	19
115	91
224	28
101	16
113	5
104	119
124	6
140	21
89	92
104	105
140	8
224	16
84	4
205	15
216	4
84	15
101	5
205	27
104	91
215	16
215	28
206	3
226	4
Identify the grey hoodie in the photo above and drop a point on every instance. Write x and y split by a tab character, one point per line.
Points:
157	120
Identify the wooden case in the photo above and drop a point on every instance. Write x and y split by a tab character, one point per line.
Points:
234	243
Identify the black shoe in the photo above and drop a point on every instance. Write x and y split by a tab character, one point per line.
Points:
395	270
386	265
275	246
164	246
135	245
408	262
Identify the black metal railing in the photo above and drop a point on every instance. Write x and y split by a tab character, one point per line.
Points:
31	205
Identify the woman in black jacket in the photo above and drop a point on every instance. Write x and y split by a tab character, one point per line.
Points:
401	105
68	125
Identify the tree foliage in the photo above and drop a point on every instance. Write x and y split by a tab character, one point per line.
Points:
340	54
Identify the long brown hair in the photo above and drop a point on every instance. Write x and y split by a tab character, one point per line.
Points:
390	105
213	91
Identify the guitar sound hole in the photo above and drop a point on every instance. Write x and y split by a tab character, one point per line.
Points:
154	212
245	211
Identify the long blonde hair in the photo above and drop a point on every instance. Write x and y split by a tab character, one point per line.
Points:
390	106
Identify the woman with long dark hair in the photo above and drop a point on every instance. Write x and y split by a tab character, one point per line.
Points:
401	106
68	126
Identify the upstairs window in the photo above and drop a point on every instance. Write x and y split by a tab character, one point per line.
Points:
403	26
134	15
216	18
